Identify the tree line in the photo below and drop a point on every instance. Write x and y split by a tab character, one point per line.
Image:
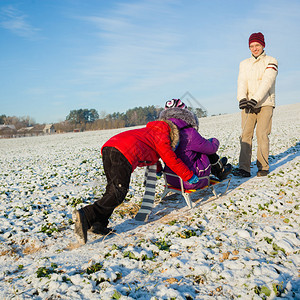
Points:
18	122
89	119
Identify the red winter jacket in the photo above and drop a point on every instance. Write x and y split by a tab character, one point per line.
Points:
145	146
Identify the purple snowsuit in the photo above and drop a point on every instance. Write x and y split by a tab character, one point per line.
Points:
193	150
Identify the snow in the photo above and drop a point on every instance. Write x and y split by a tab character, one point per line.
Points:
244	244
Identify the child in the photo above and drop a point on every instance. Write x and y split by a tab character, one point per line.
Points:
198	153
121	155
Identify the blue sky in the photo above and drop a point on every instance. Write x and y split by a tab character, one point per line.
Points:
60	55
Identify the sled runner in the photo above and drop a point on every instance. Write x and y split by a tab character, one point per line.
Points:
187	193
148	199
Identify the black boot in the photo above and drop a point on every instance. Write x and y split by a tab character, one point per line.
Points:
225	172
241	173
99	228
217	167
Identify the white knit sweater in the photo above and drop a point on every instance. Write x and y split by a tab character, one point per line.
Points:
256	80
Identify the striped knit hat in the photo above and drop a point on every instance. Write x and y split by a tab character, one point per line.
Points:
257	37
175	103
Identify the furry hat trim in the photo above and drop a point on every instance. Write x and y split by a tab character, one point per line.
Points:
177	113
174	134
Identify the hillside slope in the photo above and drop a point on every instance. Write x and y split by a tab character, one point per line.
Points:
243	245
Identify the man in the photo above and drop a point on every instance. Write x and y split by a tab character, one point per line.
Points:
256	96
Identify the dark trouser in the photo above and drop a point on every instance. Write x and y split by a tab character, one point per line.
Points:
118	172
213	158
215	168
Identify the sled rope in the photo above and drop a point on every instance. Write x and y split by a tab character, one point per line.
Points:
148	199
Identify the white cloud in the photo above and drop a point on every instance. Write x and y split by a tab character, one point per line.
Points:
15	21
137	49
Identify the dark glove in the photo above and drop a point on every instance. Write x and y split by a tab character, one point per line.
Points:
158	174
193	179
243	103
251	103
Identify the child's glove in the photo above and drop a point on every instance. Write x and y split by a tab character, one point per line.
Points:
158	174
243	103
194	179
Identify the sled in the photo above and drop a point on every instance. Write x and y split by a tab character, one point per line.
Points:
187	193
148	199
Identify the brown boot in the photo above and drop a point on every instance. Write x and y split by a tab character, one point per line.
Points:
81	226
261	173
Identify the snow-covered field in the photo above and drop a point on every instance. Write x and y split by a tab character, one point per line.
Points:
243	245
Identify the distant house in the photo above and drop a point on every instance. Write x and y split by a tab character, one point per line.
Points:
25	131
30	131
49	129
7	131
2	126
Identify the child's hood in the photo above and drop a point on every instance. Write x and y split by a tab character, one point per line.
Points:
178	113
174	132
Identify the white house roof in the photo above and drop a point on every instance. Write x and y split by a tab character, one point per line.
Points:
7	126
48	126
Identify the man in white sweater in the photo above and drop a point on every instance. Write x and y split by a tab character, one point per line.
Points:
256	96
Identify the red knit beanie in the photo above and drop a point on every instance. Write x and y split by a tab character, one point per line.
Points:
257	37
